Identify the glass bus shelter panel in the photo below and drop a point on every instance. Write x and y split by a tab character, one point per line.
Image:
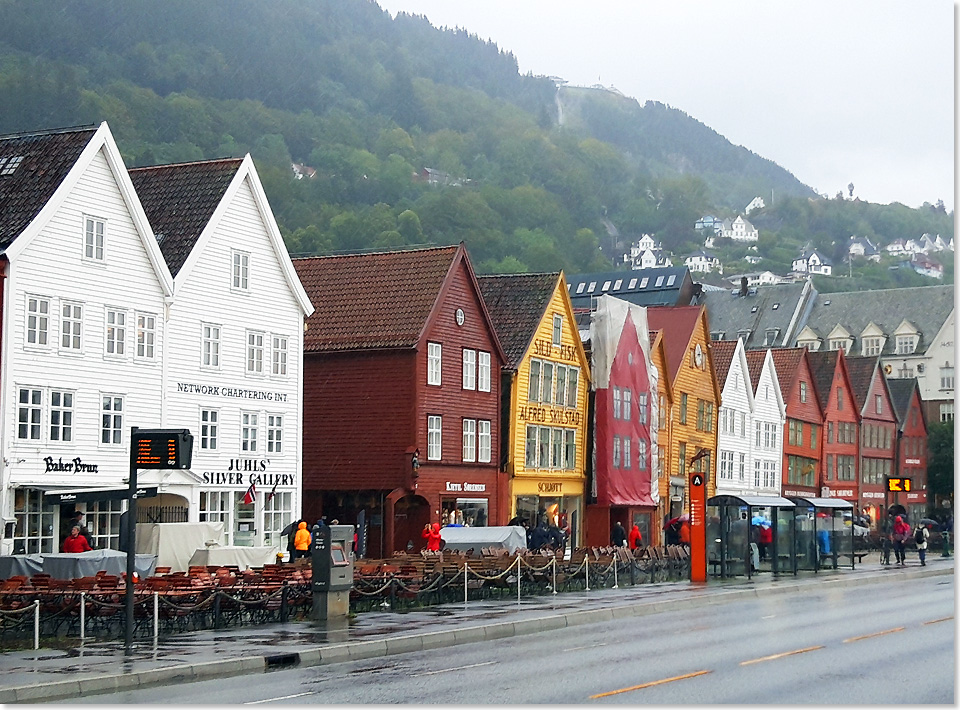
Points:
714	540
783	541
761	528
737	540
805	543
838	537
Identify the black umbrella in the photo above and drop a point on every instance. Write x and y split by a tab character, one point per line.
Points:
928	521
290	528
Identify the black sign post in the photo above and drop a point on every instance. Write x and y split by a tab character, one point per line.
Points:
149	448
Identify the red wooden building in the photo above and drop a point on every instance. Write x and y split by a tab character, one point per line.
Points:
841	443
802	436
911	445
878	435
401	395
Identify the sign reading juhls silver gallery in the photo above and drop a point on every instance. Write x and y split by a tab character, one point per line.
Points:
243	472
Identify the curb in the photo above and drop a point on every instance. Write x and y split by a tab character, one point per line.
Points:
364	650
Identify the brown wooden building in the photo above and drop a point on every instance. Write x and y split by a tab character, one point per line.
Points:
911	445
401	395
839	464
802	435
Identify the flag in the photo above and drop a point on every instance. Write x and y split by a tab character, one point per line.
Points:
251	495
272	493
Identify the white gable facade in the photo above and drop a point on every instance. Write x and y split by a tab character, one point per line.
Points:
769	417
740	230
83	337
735	429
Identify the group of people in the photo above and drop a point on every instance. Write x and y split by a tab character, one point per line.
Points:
619	537
300	538
900	535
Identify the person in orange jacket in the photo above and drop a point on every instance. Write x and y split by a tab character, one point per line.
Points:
635	539
685	533
301	541
431	533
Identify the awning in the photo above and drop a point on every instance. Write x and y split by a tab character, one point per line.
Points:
822	502
752	501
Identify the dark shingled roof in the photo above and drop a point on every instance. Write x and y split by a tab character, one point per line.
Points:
772	307
755	359
900	392
179	201
516	303
861	371
46	159
366	301
650	294
722	358
823	364
926	307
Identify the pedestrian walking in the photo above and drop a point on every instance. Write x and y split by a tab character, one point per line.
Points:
901	532
921	536
301	541
618	537
431	533
636	538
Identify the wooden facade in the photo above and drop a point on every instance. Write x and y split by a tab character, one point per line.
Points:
839	465
666	467
803	430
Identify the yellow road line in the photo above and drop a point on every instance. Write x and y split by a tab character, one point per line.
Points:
780	655
937	621
878	633
647	685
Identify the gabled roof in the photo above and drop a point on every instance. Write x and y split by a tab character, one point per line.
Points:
657	345
787	361
366	301
782	307
901	390
861	370
516	303
723	351
677	324
46	159
755	360
180	200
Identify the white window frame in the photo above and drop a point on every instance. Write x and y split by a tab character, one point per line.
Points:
906	344
434	364
274	433
627	461
71	326
469	440
37	322
627	402
115	332
277	514
946	411
483	371
209	429
111	418
616	452
642	454
216	507
94	243
61	416
255	345
278	355
30	413
484	441
249	431
617	407
469	369
558	329
146	336
947	380
239	271
872	346
434	437
210	334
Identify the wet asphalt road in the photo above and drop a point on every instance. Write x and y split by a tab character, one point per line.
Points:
891	642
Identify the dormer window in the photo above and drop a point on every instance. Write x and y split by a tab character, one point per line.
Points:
606	286
771	336
591	287
906	344
632	284
872	346
841	344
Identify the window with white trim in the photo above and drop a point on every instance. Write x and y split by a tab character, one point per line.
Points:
878	400
277	514
249	431
872	346
483	371
616	452
209	429
30	413
61	415
103	522
558	328
146	336
570	449
470	440
469	369
211	345
71	326
560	393
627	461
38	321
627	403
484	441
241	271
642	405
116	332
946	411
906	344
946	377
254	352
573	377
549	447
111	419
642	454
216	507
34	531
278	355
93	238
434	441
274	433
434	354
616	403
546	387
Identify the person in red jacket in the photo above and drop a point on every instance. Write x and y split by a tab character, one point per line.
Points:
76	542
635	538
431	533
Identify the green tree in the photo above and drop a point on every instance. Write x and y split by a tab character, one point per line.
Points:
940	461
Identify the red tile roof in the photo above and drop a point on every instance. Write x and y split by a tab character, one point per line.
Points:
367	301
755	360
861	371
823	365
722	358
677	324
787	361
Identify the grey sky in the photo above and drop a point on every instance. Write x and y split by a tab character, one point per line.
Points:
836	92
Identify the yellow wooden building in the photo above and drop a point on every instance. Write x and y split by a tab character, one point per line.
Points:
696	402
666	465
545	390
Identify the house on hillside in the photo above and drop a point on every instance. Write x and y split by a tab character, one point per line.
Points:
863	247
709	223
739	230
755	204
703	261
812	261
925	266
757	278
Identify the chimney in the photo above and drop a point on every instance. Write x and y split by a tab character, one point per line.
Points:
743	286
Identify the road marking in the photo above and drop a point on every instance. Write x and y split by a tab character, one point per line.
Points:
878	633
282	697
937	621
772	616
647	685
580	648
780	655
458	668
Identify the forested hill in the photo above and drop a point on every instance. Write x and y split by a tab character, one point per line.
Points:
369	102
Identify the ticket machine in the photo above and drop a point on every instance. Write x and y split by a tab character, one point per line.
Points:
332	554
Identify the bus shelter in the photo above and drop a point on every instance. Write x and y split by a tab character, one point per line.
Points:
750	534
823	529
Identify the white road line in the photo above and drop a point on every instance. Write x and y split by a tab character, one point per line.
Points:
282	697
458	668
580	648
772	616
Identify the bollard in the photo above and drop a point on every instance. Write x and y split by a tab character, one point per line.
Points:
518	579
83	604
36	625
283	602
464	584
616	584
156	615
586	571
946	545
554	574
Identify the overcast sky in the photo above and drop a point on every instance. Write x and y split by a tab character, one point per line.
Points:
835	91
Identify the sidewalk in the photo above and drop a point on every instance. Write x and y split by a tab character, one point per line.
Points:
31	676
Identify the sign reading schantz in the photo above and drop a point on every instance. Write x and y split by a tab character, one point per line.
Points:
238	392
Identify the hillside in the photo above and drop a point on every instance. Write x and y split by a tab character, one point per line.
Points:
365	104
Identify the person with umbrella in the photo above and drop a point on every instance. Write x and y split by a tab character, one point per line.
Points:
921	536
685	530
290	531
672	530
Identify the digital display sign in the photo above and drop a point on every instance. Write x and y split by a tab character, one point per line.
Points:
162	448
904	485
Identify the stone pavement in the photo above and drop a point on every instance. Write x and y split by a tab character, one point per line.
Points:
92	667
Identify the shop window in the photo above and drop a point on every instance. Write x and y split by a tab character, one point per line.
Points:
34	530
103	522
277	514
